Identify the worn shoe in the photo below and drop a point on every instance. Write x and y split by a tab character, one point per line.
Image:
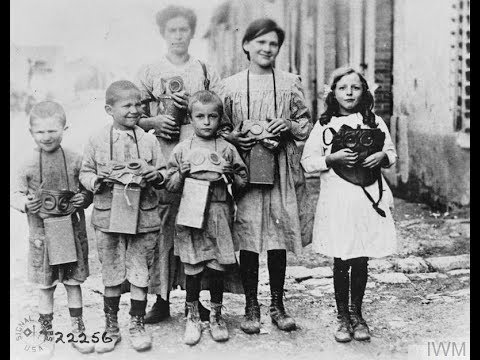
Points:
251	320
84	344
361	332
202	310
139	338
218	327
111	336
344	330
159	311
277	312
193	327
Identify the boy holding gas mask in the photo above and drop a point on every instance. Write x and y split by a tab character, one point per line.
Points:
202	167
123	166
49	192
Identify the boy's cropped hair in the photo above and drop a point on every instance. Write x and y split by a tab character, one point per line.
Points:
205	97
174	11
112	92
47	109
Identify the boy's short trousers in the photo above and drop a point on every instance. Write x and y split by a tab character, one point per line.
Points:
71	282
194	269
125	256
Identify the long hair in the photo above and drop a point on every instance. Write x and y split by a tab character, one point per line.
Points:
364	107
261	27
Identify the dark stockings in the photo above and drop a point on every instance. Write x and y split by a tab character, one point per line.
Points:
341	282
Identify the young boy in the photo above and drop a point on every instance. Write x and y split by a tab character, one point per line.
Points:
205	156
52	168
124	256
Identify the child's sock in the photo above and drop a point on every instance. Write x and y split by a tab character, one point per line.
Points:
341	284
75	312
277	264
110	304
249	272
359	280
137	307
215	282
192	287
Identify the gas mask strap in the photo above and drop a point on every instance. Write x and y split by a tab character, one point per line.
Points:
274	93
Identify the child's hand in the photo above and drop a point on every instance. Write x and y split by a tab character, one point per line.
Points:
166	127
102	174
33	204
151	174
184	168
181	99
278	125
343	157
227	168
374	160
78	200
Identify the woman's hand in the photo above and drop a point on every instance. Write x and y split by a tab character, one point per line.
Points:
343	157
180	99
239	138
165	126
278	125
374	160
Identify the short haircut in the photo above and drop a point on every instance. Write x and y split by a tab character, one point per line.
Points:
112	93
174	11
205	97
261	27
47	109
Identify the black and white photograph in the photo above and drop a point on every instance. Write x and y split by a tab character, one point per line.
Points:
240	179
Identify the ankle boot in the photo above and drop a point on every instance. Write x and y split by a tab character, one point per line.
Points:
159	311
344	330
251	321
360	328
202	310
46	331
84	344
193	327
139	338
112	331
218	327
277	312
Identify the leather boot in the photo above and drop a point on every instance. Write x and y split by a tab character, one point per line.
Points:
139	338
159	311
193	327
251	320
84	344
202	310
218	327
344	330
112	331
277	312
360	328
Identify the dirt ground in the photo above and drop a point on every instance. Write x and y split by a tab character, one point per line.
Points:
399	315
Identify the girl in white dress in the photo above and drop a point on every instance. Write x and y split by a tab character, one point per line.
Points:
352	222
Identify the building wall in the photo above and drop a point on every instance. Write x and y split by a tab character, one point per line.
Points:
432	167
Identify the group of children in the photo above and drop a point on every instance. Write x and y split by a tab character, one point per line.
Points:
265	217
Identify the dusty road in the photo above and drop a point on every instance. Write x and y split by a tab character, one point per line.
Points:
416	305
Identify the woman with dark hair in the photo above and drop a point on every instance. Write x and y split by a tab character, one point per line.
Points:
353	221
177	26
267	216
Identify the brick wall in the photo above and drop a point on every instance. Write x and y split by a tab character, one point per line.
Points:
384	58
